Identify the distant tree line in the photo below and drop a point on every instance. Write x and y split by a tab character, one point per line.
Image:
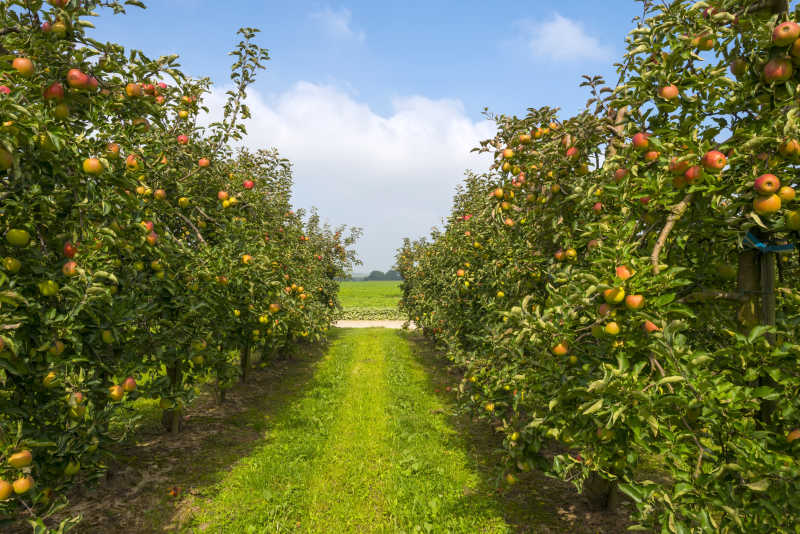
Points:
377	276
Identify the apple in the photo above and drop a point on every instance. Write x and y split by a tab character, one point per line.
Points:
148	89
162	85
112	150
789	148
524	139
559	255
159	194
738	66
668	92
614	295
23	66
133	90
61	111
48	288
704	41
77	79
12	265
274	308
248	184
793	220
93	83
129	384
651	156
714	161
183	139
204	162
620	175
693	174
23	485
183	114
4	90
18	238
571	254
70	268
59	28
132	162
152	238
793	435
116	393
603	310
54	91
508	153
183	202
6	490
622	272
678	166
598	207
222	195
56	348
72	468
777	70
20	459
92	166
786	193
148	225
573	153
767	184
560	350
645	200
460	273
634	302
765	205
785	33
247	258
612	328
641	141
69	249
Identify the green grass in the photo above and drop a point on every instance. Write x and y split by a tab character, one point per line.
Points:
368	448
370	300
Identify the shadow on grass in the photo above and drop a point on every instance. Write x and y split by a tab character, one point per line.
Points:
537	503
151	484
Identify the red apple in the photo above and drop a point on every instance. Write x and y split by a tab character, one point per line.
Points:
650	327
620	174
693	174
767	184
598	207
54	91
222	195
573	153
248	184
70	250
204	162
714	161
152	238
634	302
651	155
183	139
777	70
23	66
677	166
622	272
641	141
668	92
77	79
70	268
129	384
785	33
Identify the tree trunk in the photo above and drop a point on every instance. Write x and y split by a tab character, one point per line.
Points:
245	362
602	494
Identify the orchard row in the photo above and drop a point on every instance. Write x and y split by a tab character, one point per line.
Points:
141	253
620	289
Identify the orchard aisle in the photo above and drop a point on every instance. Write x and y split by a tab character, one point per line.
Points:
367	449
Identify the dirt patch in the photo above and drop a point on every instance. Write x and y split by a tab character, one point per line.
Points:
150	485
537	503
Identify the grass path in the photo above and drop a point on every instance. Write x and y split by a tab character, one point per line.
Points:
367	448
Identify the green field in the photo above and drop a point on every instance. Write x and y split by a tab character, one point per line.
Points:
370	300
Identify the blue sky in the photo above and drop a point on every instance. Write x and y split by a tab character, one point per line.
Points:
378	103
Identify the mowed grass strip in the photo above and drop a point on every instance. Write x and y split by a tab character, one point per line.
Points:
267	491
367	449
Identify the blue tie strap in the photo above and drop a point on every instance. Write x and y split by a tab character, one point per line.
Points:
754	242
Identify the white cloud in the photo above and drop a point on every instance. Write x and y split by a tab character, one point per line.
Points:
338	23
561	38
392	175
